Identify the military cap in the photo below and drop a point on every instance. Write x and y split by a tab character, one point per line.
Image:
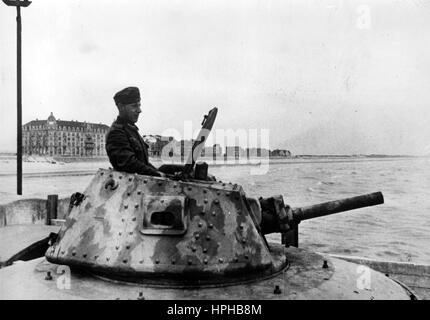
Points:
127	95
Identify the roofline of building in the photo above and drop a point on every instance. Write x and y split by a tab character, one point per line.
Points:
68	123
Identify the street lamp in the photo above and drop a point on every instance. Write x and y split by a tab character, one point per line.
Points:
18	4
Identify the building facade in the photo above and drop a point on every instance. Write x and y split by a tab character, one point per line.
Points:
156	144
54	137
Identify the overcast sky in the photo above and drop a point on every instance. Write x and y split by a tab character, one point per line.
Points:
322	76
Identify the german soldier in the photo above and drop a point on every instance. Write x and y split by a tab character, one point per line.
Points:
125	147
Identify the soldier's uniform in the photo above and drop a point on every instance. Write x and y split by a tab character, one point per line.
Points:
124	146
126	149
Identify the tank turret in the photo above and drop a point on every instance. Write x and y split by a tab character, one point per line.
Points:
158	230
155	229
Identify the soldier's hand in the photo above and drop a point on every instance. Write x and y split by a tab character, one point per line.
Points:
180	176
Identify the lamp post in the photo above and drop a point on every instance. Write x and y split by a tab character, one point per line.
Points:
18	4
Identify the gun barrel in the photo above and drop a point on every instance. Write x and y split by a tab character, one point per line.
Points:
331	207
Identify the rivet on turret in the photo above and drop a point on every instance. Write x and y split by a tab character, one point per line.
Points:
134	219
128	194
141	261
205	250
213	213
190	262
129	179
124	261
189	188
175	185
145	181
130	233
117	248
205	261
73	253
48	276
200	224
84	255
160	184
136	206
277	290
208	238
210	226
243	240
325	264
162	200
197	236
157	261
127	247
122	219
101	173
139	192
221	260
216	201
120	177
236	259
110	176
241	226
194	249
205	191
227	194
202	213
107	258
120	233
173	261
62	252
218	193
246	257
205	201
125	206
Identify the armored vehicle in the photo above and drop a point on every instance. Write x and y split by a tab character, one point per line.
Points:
188	236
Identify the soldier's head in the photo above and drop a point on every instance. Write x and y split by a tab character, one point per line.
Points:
128	102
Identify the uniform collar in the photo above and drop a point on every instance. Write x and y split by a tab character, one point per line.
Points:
125	122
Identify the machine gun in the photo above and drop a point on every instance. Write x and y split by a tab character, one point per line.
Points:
278	217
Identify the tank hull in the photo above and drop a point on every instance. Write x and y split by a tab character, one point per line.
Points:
308	276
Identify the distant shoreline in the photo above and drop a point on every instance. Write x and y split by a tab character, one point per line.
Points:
358	156
220	161
49	166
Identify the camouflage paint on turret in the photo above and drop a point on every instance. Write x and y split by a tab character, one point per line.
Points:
150	228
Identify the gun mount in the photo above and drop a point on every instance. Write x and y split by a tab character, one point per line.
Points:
278	217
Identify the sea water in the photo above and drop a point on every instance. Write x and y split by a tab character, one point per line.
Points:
398	230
